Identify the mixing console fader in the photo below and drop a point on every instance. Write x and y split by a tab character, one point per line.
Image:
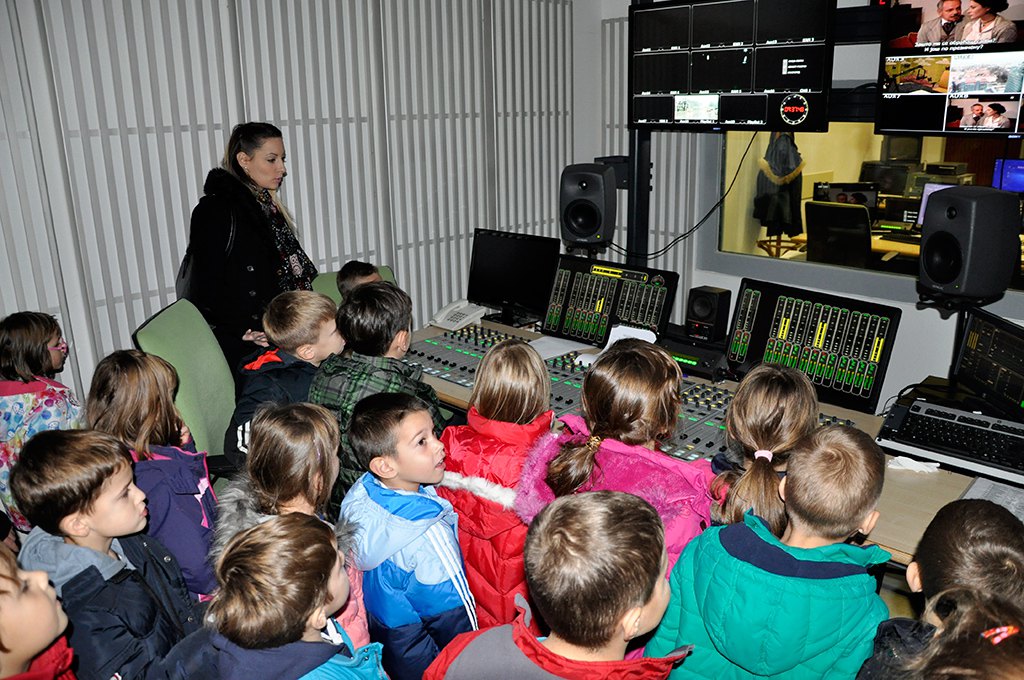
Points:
455	355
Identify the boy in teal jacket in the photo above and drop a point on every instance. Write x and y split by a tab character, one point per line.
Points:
800	607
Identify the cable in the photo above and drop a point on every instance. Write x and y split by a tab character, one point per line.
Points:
671	244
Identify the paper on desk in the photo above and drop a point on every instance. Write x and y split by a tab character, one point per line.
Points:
1009	497
904	463
549	347
618	333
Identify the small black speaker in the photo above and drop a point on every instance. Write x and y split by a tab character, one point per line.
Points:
707	313
586	203
970	242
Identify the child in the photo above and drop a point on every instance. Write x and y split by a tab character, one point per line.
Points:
132	398
301	325
376	322
355	273
280	581
979	637
596	566
508	412
630	402
32	623
32	351
123	592
754	605
773	408
416	592
291	467
970	544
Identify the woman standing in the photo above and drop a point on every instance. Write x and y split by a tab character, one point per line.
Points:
242	246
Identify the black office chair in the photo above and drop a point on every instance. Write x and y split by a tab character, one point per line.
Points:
838	233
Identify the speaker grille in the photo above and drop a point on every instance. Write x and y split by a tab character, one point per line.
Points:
942	259
582	218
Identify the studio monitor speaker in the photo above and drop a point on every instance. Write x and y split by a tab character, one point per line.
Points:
970	242
586	203
707	313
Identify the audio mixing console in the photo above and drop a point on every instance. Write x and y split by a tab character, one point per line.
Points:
700	430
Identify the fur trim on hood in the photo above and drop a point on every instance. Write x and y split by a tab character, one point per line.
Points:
237	511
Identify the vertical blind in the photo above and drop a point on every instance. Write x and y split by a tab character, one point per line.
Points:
407	124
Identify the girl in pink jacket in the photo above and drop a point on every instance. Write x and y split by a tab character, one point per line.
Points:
630	403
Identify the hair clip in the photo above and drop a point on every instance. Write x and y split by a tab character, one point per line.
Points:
594	443
997	635
763	453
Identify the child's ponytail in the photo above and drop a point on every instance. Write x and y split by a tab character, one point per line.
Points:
573	465
773	408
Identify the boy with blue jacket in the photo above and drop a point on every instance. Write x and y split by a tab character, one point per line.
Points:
123	592
803	606
414	584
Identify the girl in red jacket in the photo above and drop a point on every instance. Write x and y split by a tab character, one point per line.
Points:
32	623
508	413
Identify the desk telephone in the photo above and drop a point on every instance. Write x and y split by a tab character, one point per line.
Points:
458	314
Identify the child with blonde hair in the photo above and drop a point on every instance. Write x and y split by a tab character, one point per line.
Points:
132	398
32	351
291	467
774	407
630	403
32	623
508	412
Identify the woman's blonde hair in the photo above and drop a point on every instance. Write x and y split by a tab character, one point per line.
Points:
132	398
512	383
293	453
774	407
631	394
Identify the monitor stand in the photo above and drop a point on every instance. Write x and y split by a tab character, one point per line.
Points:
517	318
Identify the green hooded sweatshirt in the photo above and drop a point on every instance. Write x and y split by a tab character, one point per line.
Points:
756	608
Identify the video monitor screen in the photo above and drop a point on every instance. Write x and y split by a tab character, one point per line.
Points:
714	65
856	193
1008	175
497	270
951	68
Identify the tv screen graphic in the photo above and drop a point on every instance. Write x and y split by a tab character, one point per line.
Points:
952	68
715	65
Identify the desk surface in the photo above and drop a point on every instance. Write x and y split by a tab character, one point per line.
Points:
909	499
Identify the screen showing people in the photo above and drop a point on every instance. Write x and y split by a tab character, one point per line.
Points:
730	64
953	66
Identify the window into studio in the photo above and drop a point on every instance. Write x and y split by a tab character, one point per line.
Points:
869	192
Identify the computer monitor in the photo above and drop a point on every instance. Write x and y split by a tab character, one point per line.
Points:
890	176
990	363
926	191
1008	174
513	273
855	193
843	345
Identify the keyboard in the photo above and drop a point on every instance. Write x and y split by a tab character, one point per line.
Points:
901	237
983	444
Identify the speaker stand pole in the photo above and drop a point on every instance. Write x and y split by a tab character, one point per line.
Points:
638	204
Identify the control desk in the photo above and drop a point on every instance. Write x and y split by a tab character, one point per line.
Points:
909	499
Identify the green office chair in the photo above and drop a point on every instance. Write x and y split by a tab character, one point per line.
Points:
206	391
327	283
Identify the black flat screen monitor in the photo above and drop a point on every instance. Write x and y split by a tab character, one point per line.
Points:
713	65
856	193
513	273
1008	175
964	81
990	362
842	345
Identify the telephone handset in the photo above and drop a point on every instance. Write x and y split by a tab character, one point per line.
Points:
458	314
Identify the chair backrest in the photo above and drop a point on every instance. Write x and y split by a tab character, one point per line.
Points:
327	283
206	391
838	233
